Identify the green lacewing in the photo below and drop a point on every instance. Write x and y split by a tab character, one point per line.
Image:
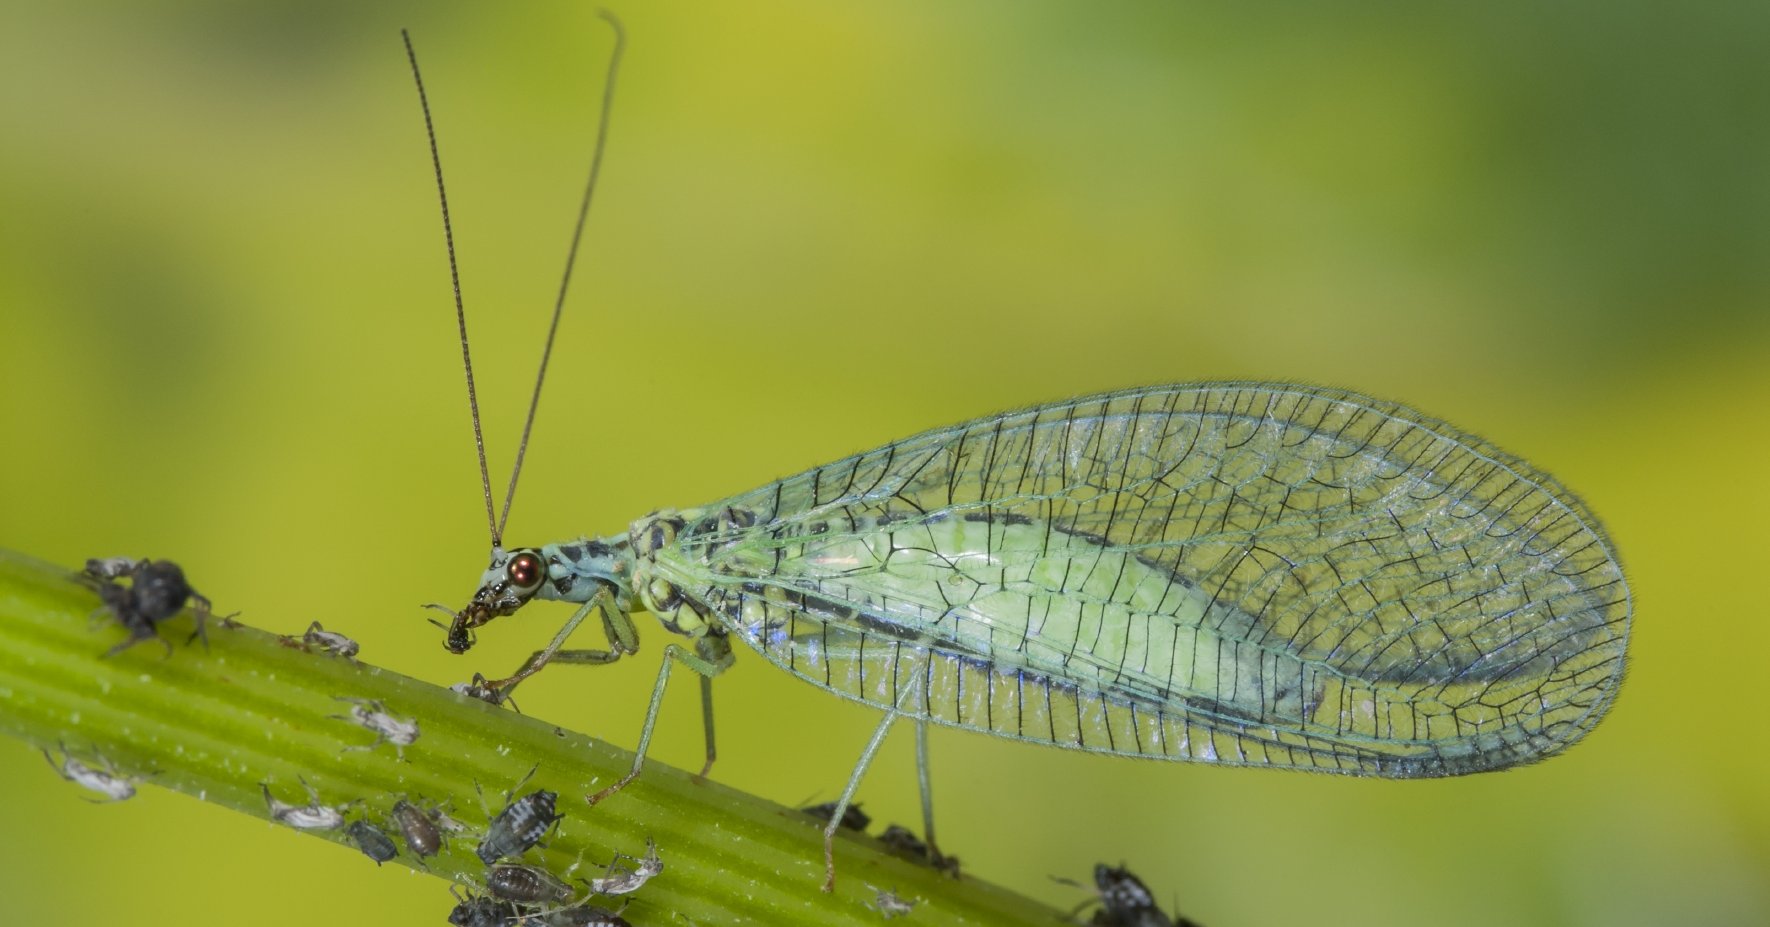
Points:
1252	574
1239	573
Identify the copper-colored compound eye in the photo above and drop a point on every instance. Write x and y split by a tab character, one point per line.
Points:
525	571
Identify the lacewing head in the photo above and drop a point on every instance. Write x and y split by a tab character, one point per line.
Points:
509	583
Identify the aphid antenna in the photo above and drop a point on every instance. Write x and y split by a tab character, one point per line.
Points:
484	807
508	793
496	523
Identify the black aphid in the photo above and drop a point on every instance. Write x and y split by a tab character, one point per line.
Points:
483	911
528	885
370	839
904	842
852	818
419	826
157	590
1126	902
520	825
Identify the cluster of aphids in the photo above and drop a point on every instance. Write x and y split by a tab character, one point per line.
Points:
142	594
424	827
515	894
522	895
156	591
898	839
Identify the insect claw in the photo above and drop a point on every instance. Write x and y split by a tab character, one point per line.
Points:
613	787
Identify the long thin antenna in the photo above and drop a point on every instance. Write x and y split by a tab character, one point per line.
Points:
571	258
479	441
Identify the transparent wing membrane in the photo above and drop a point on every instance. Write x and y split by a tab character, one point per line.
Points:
1250	574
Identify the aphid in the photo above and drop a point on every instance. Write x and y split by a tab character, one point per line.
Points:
480	688
482	911
311	816
419	827
888	903
904	842
1245	573
583	915
370	839
529	885
371	714
157	591
106	782
1125	902
852	817
520	825
621	879
330	641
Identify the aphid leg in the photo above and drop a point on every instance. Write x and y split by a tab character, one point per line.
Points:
711	656
380	739
924	782
860	771
136	638
523	781
707	725
1075	913
200	612
60	768
623	639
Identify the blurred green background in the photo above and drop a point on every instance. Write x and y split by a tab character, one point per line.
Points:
225	338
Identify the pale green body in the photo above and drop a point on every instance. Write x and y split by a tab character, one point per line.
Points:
1240	573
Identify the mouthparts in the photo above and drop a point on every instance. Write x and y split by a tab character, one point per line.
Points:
460	637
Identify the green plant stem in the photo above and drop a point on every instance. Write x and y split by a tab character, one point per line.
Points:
252	709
